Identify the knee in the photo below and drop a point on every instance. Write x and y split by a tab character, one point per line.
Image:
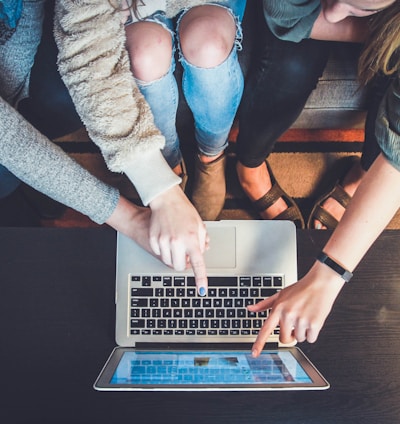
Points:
207	36
150	50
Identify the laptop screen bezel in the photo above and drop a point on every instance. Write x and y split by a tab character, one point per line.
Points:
103	382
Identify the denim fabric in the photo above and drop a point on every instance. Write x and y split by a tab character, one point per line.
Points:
10	12
213	114
163	97
278	86
214	107
15	69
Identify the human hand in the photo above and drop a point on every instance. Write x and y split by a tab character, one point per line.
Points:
178	235
133	221
299	309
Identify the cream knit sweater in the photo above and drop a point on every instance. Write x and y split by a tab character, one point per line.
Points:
94	65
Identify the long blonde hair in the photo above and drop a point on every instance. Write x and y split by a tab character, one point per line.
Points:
382	49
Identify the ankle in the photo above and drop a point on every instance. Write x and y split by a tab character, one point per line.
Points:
254	181
353	179
209	159
178	170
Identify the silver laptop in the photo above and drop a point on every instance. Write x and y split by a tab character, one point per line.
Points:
158	312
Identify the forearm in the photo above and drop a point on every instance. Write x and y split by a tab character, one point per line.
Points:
351	29
131	220
374	204
94	65
35	160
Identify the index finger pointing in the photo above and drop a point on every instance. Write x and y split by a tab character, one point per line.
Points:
199	269
268	327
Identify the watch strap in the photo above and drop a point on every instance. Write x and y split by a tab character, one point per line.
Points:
343	272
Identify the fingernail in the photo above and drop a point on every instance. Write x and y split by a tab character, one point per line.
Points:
254	353
202	291
318	226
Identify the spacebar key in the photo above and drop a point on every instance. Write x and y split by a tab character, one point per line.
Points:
222	281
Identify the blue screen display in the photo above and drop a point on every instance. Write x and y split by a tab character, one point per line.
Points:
208	367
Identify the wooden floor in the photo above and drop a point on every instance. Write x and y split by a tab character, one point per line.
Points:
304	162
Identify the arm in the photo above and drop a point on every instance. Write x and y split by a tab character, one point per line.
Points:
34	159
351	29
46	167
94	65
296	20
301	309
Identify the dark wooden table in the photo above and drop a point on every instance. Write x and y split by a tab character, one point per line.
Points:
57	329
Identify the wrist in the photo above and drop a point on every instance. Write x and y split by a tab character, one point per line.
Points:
326	278
335	266
170	196
124	215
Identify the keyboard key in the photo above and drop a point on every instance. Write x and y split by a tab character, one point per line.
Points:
222	281
167	281
141	292
137	323
179	281
267	292
146	281
245	281
267	281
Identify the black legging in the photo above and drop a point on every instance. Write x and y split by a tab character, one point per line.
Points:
280	81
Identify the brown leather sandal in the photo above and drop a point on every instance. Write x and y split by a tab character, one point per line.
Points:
292	213
337	192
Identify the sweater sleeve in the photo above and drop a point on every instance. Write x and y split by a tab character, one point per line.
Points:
94	65
41	164
387	129
291	20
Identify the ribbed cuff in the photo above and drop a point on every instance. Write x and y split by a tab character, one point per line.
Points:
151	175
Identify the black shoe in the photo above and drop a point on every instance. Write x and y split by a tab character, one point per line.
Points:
15	211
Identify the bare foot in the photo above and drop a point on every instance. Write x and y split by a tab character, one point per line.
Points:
350	184
256	182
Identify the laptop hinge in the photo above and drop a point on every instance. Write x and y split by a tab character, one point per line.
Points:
192	346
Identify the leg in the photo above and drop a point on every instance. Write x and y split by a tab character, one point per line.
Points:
213	85
371	150
212	79
151	54
280	82
49	107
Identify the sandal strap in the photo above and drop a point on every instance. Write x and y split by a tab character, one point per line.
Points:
340	195
292	213
269	198
324	217
318	213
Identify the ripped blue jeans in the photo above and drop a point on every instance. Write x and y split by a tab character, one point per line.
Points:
213	94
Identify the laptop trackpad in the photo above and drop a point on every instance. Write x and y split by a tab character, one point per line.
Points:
222	252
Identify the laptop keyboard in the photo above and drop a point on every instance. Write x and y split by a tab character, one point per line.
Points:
169	305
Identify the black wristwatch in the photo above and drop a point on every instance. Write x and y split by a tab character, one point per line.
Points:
344	273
